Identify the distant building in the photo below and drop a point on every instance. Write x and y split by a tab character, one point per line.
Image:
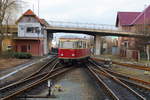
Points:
138	22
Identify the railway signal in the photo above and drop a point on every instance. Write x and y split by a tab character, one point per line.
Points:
49	84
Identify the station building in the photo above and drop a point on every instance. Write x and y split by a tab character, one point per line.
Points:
32	35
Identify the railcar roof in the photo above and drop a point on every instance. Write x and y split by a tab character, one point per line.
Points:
71	37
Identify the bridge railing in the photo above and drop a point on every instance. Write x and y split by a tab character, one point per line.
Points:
82	25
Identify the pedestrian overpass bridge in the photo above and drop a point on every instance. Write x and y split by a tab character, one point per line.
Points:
84	28
90	29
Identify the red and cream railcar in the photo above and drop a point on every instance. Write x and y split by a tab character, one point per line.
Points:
73	48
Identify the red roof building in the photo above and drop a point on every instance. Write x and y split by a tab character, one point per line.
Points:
32	35
138	22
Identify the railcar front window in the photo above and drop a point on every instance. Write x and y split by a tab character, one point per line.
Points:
67	44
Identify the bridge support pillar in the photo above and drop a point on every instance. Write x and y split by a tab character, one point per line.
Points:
49	42
97	45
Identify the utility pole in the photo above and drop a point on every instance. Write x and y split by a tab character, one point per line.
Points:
38	8
144	20
147	46
33	7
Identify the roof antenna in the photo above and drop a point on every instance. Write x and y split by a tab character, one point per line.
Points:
33	7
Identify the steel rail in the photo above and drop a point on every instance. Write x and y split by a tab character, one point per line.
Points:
35	84
111	93
131	83
126	80
42	68
31	78
45	76
128	77
36	72
117	80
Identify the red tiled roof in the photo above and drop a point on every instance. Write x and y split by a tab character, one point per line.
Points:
143	17
126	18
44	22
31	13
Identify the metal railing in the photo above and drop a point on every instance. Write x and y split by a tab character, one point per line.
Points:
76	25
81	25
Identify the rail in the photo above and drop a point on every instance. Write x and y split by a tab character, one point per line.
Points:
114	81
32	81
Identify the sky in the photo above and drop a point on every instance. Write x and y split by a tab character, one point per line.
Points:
84	11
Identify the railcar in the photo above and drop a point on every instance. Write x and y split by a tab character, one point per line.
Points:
73	49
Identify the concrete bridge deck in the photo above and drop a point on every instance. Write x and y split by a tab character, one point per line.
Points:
101	32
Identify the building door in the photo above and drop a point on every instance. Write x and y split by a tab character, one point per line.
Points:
23	48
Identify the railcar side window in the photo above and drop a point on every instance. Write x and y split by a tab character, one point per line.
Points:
84	44
79	44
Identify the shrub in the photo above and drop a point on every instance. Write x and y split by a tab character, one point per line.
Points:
22	55
7	54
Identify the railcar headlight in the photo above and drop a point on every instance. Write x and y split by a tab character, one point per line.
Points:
62	54
73	54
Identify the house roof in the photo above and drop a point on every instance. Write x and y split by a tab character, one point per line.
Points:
31	13
44	22
132	18
126	18
143	17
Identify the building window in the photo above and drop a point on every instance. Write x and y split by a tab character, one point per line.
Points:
30	29
33	30
126	44
21	27
9	47
29	47
23	48
37	30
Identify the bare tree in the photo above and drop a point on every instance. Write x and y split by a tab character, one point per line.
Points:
8	9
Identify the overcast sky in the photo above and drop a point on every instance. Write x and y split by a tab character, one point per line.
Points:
88	11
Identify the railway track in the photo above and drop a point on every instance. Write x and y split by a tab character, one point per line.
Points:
140	67
11	91
117	74
114	87
143	87
42	69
